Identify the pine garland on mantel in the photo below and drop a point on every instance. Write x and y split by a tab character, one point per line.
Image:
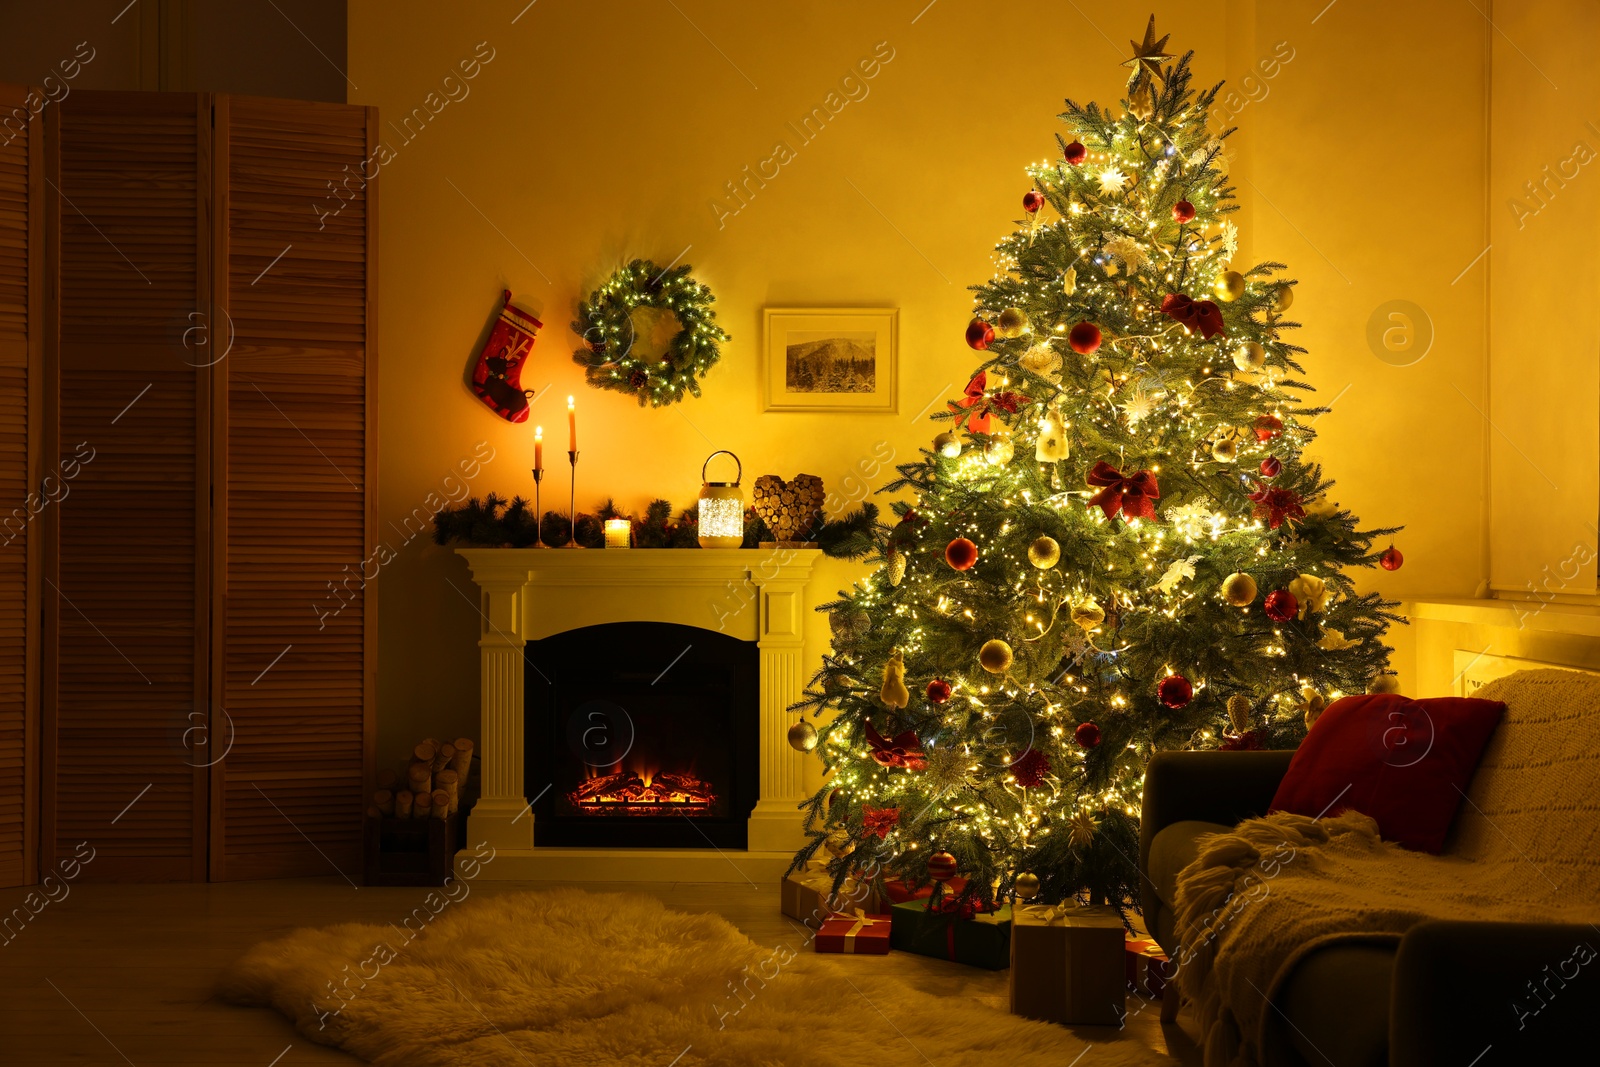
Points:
496	522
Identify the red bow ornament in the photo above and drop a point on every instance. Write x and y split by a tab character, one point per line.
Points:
1275	505
1200	316
963	907
1131	496
904	751
877	822
972	405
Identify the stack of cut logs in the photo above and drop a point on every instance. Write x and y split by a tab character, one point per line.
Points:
430	786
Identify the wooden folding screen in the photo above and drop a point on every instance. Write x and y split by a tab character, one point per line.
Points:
211	707
21	346
295	624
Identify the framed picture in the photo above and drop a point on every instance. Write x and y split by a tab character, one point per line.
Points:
831	359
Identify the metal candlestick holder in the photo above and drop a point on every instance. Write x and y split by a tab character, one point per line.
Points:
538	511
572	503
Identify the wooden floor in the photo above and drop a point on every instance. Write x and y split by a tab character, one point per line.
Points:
122	974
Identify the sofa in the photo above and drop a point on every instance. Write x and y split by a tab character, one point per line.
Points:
1464	993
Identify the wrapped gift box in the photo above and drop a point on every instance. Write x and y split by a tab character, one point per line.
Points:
1067	964
1146	967
898	892
808	895
858	934
984	940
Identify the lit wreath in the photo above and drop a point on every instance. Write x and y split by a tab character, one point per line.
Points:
648	332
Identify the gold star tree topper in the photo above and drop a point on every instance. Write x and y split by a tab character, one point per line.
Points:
1147	56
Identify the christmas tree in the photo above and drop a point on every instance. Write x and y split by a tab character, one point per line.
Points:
1116	546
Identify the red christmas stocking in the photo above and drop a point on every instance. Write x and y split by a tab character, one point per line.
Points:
497	378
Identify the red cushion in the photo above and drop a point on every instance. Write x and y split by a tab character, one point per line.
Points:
1404	762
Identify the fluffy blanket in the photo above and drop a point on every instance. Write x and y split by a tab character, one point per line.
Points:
568	977
1524	848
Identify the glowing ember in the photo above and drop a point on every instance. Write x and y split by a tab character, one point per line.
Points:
643	793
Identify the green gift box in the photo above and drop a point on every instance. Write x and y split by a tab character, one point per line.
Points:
984	940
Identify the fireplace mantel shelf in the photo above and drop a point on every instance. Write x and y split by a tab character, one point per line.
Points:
528	594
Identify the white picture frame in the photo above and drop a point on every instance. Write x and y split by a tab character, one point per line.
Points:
842	360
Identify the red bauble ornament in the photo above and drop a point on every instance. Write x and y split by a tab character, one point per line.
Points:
1074	153
1084	338
1391	560
1280	605
1032	201
1183	211
1087	735
980	334
1174	691
1271	467
938	691
942	866
1030	768
961	554
1267	427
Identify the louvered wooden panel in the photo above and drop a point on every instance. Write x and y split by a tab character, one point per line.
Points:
293	660
129	597
21	327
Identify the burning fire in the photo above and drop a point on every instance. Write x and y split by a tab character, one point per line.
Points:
642	791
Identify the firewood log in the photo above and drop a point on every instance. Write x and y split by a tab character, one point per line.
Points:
462	764
383	800
422	805
450	783
443	758
441	804
402	805
420	775
373	812
426	751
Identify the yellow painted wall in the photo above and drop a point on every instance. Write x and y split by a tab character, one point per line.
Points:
600	132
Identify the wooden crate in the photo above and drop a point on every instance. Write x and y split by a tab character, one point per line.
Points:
412	851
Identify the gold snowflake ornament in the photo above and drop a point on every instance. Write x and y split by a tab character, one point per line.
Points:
1083	830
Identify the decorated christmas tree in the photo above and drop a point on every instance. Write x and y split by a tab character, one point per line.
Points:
1115	546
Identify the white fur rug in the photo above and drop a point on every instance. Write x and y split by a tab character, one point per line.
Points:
573	978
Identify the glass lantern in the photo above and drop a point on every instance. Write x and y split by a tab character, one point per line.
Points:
721	508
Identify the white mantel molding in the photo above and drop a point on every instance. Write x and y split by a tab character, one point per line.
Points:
756	595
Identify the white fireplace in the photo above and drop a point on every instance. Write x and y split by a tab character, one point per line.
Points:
529	594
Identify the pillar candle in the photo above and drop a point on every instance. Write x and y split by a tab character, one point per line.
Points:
572	425
538	448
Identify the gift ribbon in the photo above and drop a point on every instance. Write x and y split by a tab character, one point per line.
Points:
972	396
1049	914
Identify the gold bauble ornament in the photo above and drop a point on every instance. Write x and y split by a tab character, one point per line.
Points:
894	693
1282	299
1013	322
947	445
1229	286
1044	553
1250	356
1027	885
1087	614
839	843
1000	449
995	656
1239	712
1226	450
1239	590
802	736
897	568
1384	683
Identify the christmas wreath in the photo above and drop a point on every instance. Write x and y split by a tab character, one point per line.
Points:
649	332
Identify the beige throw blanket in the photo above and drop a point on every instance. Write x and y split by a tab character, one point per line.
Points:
1525	847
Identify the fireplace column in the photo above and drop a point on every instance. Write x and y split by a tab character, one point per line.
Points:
501	816
780	578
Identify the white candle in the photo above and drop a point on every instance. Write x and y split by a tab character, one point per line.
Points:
538	448
619	533
572	425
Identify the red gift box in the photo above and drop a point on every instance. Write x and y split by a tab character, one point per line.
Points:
859	934
1148	968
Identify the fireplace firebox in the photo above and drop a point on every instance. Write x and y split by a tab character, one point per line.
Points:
642	735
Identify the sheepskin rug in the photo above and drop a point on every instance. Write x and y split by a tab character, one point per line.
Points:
567	977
